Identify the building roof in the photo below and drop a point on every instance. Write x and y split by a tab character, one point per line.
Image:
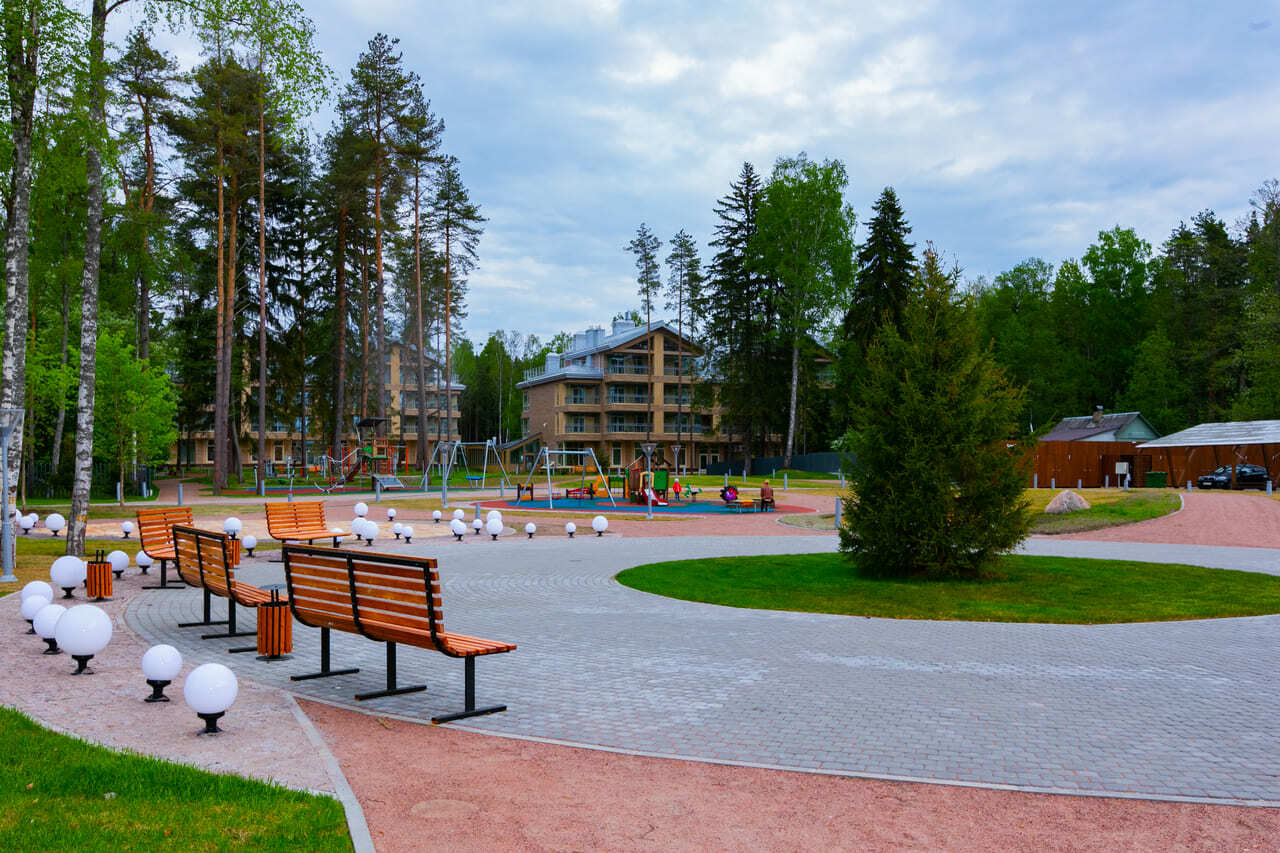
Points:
1230	433
1086	427
589	343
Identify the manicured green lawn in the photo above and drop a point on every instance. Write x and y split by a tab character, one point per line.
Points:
1026	589
1108	508
58	793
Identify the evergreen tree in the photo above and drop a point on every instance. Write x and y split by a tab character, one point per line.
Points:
935	489
645	247
684	290
885	269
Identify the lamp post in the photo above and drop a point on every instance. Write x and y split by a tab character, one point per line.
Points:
83	631
31	605
571	529
126	527
457	528
493	527
67	573
10	422
408	533
599	524
119	561
531	529
45	624
55	522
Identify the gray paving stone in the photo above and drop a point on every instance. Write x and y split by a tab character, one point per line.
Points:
1155	709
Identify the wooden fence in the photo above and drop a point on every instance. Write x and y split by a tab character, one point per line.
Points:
1092	464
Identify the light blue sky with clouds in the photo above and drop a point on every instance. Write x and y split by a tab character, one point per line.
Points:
1009	130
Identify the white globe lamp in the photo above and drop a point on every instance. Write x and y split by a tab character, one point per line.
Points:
436	515
457	528
126	527
599	524
459	514
361	509
477	525
160	665
531	529
232	527
27	522
37	588
67	573
55	523
370	532
31	605
397	529
493	527
250	542
491	515
82	632
144	561
209	690
571	529
408	533
119	561
45	624
391	513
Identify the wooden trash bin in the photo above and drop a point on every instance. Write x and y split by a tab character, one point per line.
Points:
234	547
97	582
275	628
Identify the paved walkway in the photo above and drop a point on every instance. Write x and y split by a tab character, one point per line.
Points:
1171	710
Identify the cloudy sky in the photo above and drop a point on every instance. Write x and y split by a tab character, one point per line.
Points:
1009	130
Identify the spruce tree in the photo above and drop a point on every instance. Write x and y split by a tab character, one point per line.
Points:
936	489
885	268
645	247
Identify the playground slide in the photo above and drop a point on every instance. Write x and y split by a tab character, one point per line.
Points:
648	493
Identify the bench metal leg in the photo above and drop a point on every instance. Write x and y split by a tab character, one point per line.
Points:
392	689
164	579
469	690
208	614
325	671
231	625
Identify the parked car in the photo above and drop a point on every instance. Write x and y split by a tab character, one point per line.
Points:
1247	477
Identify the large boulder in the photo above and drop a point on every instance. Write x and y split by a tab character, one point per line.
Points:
1066	501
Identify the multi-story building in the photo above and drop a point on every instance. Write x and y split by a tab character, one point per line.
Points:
614	392
400	394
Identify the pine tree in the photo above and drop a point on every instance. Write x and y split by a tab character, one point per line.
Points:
935	489
684	290
885	268
645	247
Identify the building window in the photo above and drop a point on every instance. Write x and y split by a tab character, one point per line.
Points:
581	423
209	451
617	456
279	451
526	399
686	423
580	395
633	364
627	422
671	365
627	393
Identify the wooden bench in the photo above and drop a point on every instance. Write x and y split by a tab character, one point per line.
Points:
155	534
387	598
300	521
205	561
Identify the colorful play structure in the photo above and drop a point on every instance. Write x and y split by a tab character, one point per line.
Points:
374	457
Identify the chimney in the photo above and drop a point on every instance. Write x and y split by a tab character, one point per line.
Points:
1097	416
595	335
579	341
620	326
553	361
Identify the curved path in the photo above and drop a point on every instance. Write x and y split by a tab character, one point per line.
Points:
1228	519
1166	710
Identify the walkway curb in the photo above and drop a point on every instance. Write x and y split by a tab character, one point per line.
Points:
361	840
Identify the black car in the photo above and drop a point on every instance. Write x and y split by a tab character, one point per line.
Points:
1247	476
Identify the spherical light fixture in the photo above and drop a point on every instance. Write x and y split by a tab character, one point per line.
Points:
27	522
45	624
232	527
126	527
361	509
37	588
144	561
397	529
31	605
160	665
119	561
250	542
209	690
55	523
459	514
408	533
491	515
457	528
599	524
493	527
370	532
571	529
531	529
67	573
357	528
82	632
436	515
391	513
477	525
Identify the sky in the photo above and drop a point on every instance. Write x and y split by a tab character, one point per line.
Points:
1008	130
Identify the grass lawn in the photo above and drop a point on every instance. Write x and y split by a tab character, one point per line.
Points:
1024	589
60	793
1108	508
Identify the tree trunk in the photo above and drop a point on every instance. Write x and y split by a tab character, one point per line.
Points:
220	399
422	355
380	406
22	51
83	477
791	417
364	328
262	284
231	412
340	321
146	204
448	344
60	423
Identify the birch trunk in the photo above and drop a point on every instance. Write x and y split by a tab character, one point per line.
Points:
22	50
60	424
262	284
83	478
791	417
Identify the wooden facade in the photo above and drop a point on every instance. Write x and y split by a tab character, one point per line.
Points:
1092	464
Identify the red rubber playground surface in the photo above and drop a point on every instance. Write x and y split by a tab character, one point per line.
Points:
598	505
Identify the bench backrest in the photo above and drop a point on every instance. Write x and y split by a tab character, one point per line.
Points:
331	587
155	526
204	558
284	517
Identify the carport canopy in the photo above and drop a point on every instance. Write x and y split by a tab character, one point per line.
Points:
1262	435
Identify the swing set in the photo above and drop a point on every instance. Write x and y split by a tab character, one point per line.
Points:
569	459
447	455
